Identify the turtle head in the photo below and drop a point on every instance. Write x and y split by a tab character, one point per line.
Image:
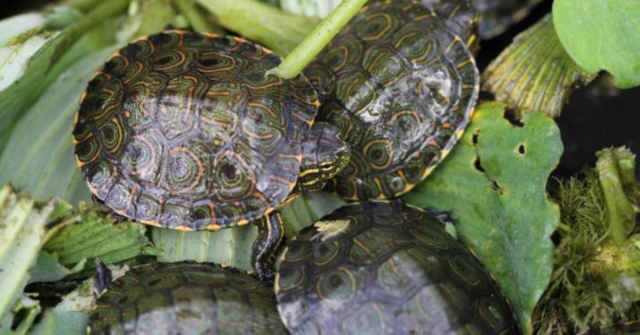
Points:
325	154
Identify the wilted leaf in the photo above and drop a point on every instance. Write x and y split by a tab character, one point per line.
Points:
22	232
602	35
494	185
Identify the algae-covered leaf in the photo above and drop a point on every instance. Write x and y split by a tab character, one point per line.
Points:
494	185
49	269
602	35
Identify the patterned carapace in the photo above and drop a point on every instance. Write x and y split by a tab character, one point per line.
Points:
401	87
184	130
186	298
385	268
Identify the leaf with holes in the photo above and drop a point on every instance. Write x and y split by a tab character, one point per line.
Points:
494	185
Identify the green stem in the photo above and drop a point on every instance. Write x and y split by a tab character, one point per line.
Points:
261	23
105	10
192	13
311	46
621	216
82	5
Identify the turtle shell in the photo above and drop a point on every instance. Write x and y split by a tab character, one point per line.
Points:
386	268
184	130
185	298
401	88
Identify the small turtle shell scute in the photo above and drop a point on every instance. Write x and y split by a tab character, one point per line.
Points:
386	268
184	130
185	298
401	87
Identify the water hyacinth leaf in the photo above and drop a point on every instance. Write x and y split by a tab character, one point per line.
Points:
504	217
602	35
534	73
306	209
232	246
228	247
39	156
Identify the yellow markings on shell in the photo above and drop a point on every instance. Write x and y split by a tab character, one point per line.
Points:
401	40
119	143
254	135
284	181
243	222
200	169
383	31
264	108
464	63
184	228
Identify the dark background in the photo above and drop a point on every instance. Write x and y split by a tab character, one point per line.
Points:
597	116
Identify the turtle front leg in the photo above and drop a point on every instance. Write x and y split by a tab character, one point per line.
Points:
324	155
270	235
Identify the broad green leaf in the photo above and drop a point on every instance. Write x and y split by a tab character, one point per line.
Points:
146	17
57	321
602	35
494	185
262	23
39	156
534	73
233	246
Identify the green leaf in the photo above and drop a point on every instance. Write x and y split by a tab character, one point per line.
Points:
59	321
602	35
49	269
494	185
534	73
98	236
39	156
233	246
317	8
275	29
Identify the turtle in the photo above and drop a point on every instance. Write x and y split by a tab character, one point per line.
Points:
382	267
184	130
184	298
496	16
401	86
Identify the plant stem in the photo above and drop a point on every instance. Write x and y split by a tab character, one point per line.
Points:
192	13
311	46
261	23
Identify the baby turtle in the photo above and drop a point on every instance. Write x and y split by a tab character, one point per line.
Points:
184	130
185	298
401	87
386	268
